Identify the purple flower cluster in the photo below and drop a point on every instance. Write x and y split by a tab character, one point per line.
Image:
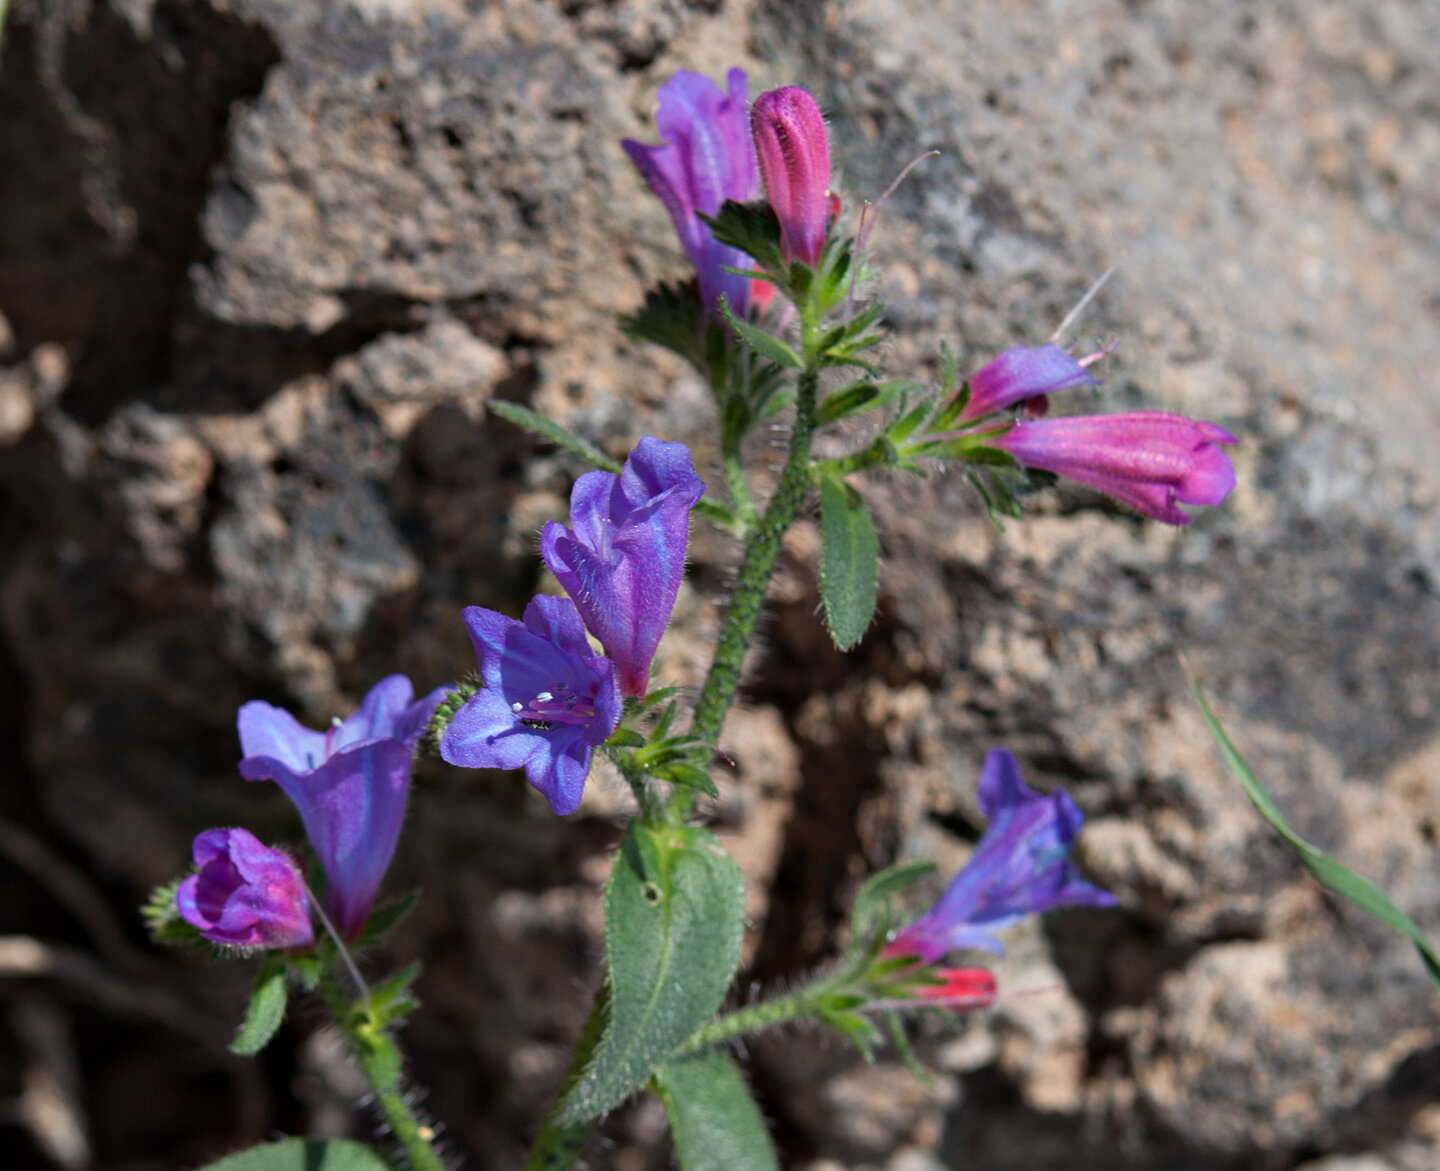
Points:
349	784
1150	460
1021	867
548	699
709	155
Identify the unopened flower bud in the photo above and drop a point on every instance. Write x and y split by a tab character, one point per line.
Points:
794	155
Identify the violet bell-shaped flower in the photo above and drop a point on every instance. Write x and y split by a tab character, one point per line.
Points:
349	784
623	556
1022	374
1021	867
1150	460
794	153
244	894
548	700
705	158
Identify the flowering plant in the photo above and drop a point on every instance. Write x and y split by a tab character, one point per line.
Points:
778	303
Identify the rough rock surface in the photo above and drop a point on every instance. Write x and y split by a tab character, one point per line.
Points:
262	264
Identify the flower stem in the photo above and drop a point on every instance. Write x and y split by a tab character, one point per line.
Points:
380	1061
558	1142
752	1019
755	569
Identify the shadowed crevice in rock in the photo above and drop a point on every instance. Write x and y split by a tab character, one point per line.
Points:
115	131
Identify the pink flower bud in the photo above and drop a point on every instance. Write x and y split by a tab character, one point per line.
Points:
794	156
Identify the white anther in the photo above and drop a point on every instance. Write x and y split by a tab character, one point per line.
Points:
517	707
545	697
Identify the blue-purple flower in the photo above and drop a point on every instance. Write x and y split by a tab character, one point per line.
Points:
705	158
349	784
548	700
1022	374
1021	867
244	893
623	556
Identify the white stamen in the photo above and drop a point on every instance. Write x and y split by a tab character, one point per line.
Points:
517	707
1080	305
336	722
545	697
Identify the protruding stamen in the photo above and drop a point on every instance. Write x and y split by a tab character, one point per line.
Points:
1080	305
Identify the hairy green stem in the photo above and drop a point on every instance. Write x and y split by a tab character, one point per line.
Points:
755	569
380	1062
753	1018
739	486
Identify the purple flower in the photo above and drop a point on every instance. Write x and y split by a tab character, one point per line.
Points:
706	158
1021	867
349	784
1146	459
794	155
623	557
548	700
244	894
1019	374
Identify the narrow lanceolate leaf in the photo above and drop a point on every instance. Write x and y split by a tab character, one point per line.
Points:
713	1117
849	562
301	1154
1329	873
523	416
767	345
266	1009
674	914
862	396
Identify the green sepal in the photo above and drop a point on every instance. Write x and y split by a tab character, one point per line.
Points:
864	395
949	371
453	700
715	512
849	562
266	1010
896	1028
391	1000
523	416
163	920
908	422
384	918
689	776
767	345
855	1027
304	1154
624	737
1326	871
674	917
870	917
309	969
714	1120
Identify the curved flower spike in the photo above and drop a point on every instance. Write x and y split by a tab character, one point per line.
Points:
244	894
1149	460
706	158
1021	867
794	154
548	700
624	556
349	784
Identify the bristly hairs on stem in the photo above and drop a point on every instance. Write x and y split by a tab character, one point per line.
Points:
862	233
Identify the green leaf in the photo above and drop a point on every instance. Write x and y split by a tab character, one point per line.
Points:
896	1029
753	229
674	915
392	1000
767	345
302	1154
849	562
1329	873
713	1117
265	1011
714	511
671	317
690	776
862	396
163	921
872	902
384	919
523	416
624	737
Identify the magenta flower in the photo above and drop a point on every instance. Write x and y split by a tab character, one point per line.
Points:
1021	867
548	700
244	894
705	158
624	555
349	784
794	155
1149	460
1021	374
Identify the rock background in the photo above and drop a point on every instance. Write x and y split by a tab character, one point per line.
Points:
262	264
